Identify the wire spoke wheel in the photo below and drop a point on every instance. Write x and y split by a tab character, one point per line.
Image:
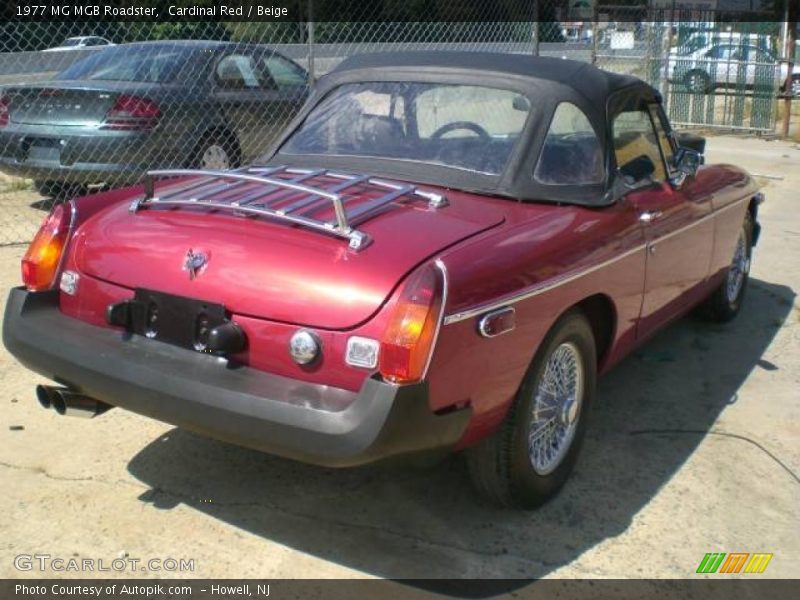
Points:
738	269
724	303
215	157
529	459
556	409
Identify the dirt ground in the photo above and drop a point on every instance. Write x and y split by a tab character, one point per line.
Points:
693	447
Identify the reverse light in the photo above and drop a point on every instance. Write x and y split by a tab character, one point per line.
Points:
132	113
408	341
69	282
5	108
362	352
41	262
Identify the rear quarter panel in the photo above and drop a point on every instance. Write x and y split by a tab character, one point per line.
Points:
550	260
561	255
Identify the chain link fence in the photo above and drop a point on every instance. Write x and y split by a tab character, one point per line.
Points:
87	105
711	74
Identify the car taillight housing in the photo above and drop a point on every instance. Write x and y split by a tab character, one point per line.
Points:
132	113
5	106
42	261
409	338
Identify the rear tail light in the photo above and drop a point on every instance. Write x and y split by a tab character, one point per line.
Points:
5	106
408	341
132	113
42	261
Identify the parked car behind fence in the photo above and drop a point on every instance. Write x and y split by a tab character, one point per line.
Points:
730	64
112	115
85	41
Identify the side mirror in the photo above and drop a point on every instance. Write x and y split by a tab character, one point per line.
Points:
686	161
689	140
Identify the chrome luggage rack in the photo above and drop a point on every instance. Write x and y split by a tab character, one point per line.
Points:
216	185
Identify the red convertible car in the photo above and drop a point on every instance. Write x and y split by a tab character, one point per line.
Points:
441	253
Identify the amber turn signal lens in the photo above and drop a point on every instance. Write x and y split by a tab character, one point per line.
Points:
43	258
408	341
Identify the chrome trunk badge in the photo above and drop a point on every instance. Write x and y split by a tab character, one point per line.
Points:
194	262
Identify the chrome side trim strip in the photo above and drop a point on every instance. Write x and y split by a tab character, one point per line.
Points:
536	289
541	288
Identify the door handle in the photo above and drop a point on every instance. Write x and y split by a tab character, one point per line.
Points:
649	216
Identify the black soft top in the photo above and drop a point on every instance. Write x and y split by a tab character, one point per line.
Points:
545	81
590	81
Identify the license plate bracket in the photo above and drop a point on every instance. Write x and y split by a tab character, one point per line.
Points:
176	320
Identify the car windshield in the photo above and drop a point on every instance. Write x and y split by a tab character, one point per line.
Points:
462	126
146	64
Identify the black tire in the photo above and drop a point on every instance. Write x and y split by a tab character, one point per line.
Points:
500	466
211	145
58	190
722	306
698	82
47	189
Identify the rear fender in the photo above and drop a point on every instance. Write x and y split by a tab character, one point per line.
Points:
84	207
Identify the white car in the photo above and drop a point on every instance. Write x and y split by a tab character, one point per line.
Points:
704	39
86	41
728	63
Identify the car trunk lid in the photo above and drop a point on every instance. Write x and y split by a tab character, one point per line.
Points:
78	104
267	268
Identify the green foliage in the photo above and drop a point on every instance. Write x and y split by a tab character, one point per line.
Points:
268	33
186	30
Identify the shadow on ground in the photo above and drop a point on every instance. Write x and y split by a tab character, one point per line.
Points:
405	523
44	204
52	193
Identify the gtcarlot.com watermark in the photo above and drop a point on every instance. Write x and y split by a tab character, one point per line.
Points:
44	563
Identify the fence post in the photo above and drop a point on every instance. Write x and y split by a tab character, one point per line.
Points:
536	28
312	75
665	55
791	31
653	36
595	29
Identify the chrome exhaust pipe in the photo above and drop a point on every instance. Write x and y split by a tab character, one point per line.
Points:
69	403
44	394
